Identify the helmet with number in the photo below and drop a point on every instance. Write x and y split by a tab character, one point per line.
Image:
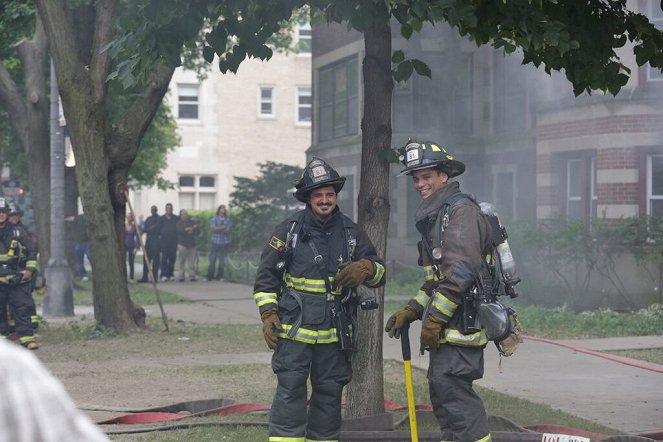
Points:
317	174
14	209
424	155
4	206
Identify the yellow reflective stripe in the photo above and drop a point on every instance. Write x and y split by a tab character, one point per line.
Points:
34	318
452	336
304	284
486	438
444	305
379	273
26	339
317	440
286	439
6	278
6	257
309	336
429	273
263	298
421	298
31	264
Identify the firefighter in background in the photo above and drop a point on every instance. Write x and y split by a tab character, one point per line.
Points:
16	277
15	217
451	265
313	260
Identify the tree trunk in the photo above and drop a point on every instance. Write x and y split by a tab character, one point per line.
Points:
365	393
104	150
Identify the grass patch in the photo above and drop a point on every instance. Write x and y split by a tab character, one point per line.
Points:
88	338
142	294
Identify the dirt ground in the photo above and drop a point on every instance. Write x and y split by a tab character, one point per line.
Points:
155	368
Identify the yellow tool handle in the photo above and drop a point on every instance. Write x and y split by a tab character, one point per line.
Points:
405	347
410	401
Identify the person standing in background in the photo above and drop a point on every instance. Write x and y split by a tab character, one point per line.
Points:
186	245
168	243
152	230
81	246
220	227
130	243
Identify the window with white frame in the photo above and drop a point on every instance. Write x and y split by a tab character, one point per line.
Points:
655	15
197	192
187	101
655	185
304	105
581	194
304	38
266	101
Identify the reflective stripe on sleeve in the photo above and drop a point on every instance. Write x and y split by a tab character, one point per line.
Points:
264	298
377	277
444	305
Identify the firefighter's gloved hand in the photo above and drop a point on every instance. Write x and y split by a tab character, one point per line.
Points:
353	273
430	331
270	325
396	322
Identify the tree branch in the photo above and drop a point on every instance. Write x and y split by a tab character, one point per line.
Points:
130	129
58	27
101	60
11	102
32	54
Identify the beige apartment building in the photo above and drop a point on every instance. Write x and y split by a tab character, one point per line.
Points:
229	124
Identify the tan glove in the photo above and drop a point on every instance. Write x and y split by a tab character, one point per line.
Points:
270	325
430	331
396	322
353	273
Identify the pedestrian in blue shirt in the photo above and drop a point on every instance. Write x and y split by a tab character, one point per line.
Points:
220	227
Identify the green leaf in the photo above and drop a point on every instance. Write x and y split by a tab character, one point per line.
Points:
208	54
421	68
406	31
398	56
389	155
403	71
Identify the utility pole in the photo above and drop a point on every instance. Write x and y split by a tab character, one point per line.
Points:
59	299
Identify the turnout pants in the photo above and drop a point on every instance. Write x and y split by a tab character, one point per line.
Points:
330	370
458	409
19	299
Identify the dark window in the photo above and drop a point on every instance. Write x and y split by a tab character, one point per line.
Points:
339	100
207	181
187	107
266	101
580	188
510	95
187	181
304	105
504	195
305	37
655	15
655	185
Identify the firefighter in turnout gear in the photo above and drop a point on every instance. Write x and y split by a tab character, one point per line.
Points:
304	292
453	245
18	264
15	217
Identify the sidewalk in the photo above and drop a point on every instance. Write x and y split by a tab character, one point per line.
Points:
624	397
